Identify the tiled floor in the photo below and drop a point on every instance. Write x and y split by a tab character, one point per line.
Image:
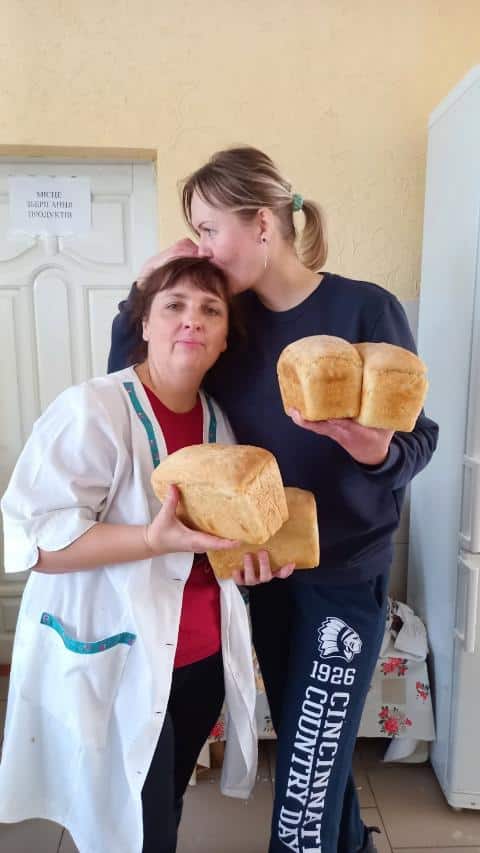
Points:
404	800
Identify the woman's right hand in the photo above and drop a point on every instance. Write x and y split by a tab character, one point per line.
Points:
166	534
257	569
185	248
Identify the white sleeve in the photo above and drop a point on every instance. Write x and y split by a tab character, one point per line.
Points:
62	478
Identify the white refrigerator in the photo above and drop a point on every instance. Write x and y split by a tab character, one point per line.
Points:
444	554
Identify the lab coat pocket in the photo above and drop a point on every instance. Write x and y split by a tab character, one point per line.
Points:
74	680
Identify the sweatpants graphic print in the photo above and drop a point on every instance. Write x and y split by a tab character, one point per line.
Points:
323	713
317	663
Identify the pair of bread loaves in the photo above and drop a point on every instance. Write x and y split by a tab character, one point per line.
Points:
377	384
236	492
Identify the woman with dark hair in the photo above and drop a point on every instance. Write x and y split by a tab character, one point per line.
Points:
126	643
318	633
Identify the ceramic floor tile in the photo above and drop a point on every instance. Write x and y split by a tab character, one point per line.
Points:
414	809
212	823
364	791
30	836
371	817
3	687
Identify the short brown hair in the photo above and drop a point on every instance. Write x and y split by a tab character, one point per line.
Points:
200	271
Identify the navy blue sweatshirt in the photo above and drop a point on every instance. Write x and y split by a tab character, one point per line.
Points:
358	505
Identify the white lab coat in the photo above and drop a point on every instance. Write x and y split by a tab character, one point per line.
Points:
81	728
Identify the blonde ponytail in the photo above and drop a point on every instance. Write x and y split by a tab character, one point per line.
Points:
313	247
245	179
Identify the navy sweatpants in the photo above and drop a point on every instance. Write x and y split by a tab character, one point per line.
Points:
317	647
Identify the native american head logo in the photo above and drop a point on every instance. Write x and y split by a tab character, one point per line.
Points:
338	640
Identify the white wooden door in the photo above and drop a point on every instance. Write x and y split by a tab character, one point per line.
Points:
58	296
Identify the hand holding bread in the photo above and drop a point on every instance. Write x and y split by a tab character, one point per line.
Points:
236	492
256	570
379	385
232	491
367	445
166	534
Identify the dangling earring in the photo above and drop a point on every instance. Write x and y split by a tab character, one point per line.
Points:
265	244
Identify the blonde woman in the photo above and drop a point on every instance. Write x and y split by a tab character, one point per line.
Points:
317	634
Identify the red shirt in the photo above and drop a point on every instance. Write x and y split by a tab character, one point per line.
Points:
199	631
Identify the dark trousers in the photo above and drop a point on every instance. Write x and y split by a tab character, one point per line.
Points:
317	647
195	702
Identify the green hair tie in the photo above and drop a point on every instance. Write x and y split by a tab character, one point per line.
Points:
297	202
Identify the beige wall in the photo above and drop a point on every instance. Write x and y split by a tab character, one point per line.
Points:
338	92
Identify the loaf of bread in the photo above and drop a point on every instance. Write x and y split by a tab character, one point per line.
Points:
232	491
377	384
394	386
296	541
321	376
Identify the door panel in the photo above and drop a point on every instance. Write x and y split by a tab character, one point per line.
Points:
58	297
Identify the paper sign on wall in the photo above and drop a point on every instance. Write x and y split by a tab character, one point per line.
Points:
45	205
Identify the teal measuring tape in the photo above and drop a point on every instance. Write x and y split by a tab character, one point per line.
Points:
148	426
86	648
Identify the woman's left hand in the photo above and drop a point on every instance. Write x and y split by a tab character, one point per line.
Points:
367	445
257	569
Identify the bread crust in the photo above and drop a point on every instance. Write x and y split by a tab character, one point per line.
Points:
321	376
232	491
394	387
